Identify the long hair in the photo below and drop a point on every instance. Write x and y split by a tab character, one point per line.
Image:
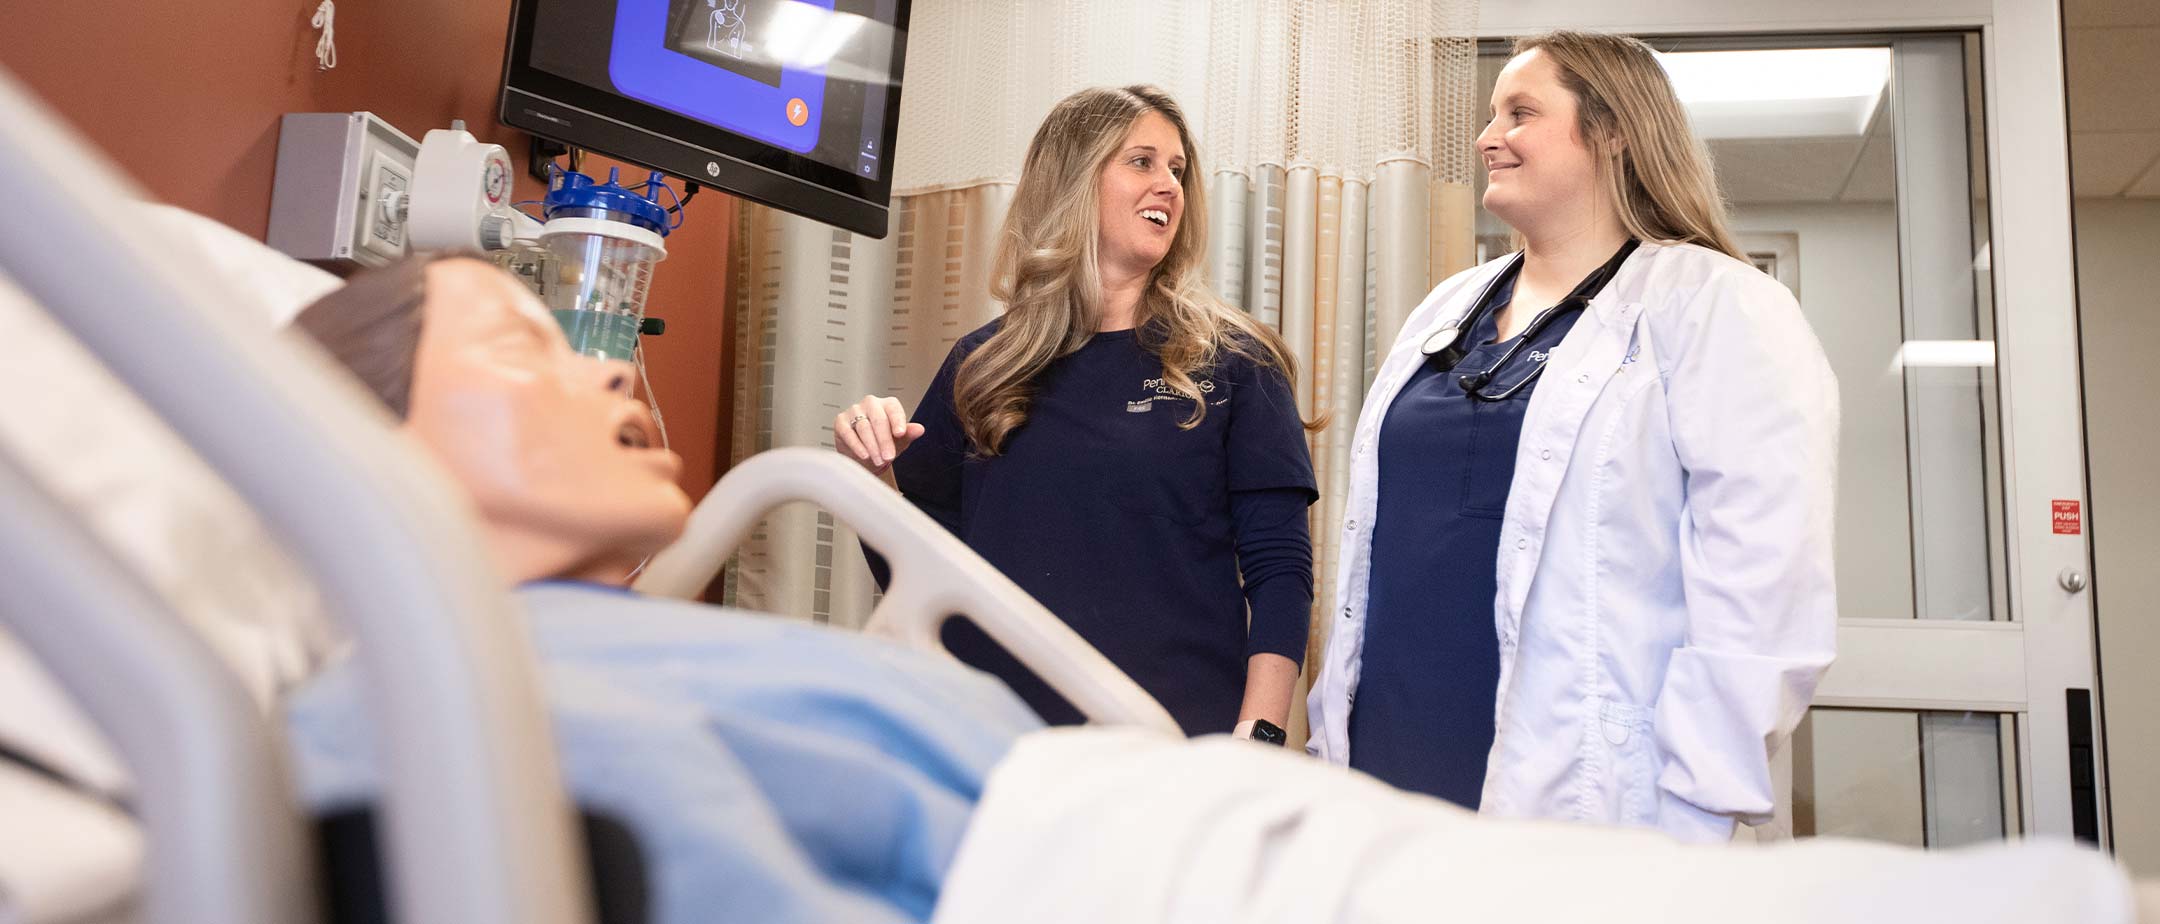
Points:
1655	170
1045	273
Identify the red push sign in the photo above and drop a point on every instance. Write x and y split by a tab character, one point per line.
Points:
2068	522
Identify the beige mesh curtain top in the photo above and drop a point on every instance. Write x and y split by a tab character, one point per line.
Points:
1335	141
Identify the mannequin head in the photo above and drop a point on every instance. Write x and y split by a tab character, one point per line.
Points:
563	465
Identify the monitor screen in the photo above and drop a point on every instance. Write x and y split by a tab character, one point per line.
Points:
791	103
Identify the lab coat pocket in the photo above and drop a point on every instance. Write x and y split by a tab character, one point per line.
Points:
1631	761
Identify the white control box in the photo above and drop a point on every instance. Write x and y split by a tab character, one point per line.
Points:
340	197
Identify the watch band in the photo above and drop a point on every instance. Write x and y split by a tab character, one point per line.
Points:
1263	731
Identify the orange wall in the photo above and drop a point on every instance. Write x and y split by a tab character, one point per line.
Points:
186	96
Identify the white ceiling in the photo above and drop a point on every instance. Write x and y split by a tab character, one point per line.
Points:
2113	64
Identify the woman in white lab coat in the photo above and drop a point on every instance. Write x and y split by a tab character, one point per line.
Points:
1587	552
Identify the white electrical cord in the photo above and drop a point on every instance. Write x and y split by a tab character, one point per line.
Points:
326	46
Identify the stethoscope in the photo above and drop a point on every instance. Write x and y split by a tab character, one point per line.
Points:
1444	342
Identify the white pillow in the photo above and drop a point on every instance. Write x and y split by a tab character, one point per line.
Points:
100	451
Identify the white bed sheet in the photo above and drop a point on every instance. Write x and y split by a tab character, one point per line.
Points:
1087	825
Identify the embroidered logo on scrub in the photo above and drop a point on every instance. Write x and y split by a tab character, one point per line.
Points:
1633	351
1163	392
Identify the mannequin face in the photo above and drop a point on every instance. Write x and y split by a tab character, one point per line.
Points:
564	465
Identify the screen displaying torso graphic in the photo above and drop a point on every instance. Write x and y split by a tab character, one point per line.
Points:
809	76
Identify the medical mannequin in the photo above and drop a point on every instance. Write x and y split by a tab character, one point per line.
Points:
563	465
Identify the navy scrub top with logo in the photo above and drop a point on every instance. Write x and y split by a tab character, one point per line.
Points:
1423	716
1131	530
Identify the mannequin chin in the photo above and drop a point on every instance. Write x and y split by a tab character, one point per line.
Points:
564	468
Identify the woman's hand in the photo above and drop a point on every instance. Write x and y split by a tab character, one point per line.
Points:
874	431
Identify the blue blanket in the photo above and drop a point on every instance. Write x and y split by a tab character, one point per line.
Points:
773	770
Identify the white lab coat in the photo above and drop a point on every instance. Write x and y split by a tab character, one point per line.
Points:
1666	598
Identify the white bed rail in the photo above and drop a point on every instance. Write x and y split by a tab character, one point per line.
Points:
934	575
226	842
478	830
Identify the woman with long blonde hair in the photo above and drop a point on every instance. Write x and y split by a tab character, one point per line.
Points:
1121	443
1587	550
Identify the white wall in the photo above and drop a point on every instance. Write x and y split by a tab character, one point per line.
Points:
2118	250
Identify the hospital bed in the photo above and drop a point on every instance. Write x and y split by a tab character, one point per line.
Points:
475	823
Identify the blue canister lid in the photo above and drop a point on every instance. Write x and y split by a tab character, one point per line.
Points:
576	195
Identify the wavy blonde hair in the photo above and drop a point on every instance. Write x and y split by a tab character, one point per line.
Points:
1046	273
1655	170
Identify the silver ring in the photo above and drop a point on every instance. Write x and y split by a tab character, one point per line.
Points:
859	418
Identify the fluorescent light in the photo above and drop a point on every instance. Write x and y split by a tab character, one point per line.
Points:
1953	354
1779	93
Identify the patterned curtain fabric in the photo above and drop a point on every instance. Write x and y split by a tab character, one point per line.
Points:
1335	139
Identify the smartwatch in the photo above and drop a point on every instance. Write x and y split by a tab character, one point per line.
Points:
1267	732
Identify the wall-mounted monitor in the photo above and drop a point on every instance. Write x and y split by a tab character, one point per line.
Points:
791	103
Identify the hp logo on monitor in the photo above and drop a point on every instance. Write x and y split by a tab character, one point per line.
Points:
712	168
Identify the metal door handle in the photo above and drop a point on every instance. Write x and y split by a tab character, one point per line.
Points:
2071	580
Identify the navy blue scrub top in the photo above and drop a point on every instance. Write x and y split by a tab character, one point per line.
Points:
1149	540
1423	715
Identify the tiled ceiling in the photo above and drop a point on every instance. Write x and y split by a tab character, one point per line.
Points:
2112	64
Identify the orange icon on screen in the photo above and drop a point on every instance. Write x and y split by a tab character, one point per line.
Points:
798	111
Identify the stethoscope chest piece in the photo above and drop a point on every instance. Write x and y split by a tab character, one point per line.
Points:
1440	340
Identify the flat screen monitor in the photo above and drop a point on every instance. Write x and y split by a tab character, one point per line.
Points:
791	103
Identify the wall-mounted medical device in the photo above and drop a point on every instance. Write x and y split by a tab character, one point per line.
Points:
352	190
342	181
791	103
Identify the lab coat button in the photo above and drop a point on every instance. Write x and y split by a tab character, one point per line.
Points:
1521	544
1352	525
1545	454
1583	378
